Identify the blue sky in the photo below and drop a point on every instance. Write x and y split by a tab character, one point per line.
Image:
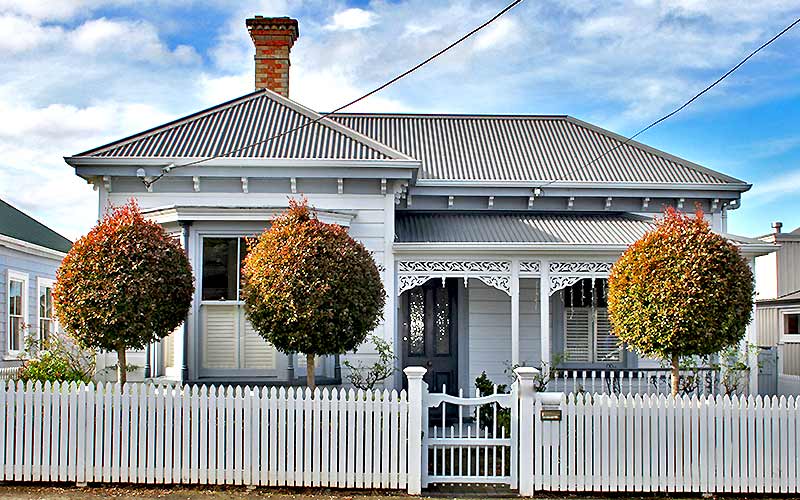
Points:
79	73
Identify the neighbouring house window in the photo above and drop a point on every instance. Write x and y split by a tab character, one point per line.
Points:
46	317
17	302
587	330
222	264
791	327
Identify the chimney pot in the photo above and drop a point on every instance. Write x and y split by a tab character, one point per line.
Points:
777	225
273	38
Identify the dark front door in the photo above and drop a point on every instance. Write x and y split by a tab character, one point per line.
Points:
429	332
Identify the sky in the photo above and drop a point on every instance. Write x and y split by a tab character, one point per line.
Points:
76	74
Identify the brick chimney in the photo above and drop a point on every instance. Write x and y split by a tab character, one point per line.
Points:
273	38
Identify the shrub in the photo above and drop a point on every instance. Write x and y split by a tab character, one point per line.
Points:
310	288
56	359
366	377
681	290
124	285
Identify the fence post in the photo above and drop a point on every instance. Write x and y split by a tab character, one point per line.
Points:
525	395
415	402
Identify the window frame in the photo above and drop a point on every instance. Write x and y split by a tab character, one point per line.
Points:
13	275
45	283
591	339
788	338
238	236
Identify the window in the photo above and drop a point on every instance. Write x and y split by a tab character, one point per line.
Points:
17	302
791	326
222	264
47	323
587	330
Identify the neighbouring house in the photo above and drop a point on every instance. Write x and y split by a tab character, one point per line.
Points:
778	308
495	233
30	254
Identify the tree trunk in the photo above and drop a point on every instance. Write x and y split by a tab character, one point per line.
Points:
676	374
122	366
310	369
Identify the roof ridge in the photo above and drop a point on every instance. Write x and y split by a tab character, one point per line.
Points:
451	115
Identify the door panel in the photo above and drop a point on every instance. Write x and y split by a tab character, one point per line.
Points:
429	332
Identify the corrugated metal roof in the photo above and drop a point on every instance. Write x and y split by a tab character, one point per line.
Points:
599	229
19	225
524	148
244	121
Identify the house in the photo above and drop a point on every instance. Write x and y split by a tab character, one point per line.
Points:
495	233
778	307
30	254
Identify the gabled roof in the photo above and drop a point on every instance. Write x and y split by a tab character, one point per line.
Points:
242	122
18	225
525	148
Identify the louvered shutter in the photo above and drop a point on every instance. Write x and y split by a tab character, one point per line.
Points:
606	347
221	336
578	334
257	353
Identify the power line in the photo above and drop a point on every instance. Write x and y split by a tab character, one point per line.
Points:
684	105
169	168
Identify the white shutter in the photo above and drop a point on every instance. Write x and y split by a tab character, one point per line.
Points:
607	348
577	338
257	352
221	336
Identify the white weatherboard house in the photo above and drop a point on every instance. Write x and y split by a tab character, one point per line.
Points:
495	233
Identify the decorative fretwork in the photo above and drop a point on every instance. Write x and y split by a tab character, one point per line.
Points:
413	273
458	267
529	267
500	282
408	282
580	267
559	282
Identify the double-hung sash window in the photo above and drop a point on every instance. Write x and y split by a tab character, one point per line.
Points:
587	330
17	303
47	322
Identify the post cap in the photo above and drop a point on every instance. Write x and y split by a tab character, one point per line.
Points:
526	372
415	372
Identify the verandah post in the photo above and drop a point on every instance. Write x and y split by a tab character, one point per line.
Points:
415	402
525	399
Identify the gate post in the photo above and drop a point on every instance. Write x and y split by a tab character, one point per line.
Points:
415	404
526	394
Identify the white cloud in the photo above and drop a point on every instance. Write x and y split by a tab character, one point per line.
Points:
774	188
75	80
352	19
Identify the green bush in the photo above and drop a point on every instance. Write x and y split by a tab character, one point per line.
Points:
56	360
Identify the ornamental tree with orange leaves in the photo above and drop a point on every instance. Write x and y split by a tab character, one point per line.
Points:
124	285
310	288
681	290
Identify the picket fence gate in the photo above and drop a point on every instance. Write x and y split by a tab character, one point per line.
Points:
408	440
203	435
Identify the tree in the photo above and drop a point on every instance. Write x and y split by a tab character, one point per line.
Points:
681	290
124	285
310	288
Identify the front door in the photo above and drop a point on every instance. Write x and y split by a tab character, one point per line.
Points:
429	332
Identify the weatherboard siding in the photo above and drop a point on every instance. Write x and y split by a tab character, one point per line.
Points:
35	267
489	336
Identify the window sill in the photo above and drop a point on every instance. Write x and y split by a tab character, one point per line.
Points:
11	356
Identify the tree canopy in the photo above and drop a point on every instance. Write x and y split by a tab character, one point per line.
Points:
681	290
124	285
311	288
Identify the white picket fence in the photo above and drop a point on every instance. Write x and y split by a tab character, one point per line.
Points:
9	372
389	440
657	443
168	435
702	382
